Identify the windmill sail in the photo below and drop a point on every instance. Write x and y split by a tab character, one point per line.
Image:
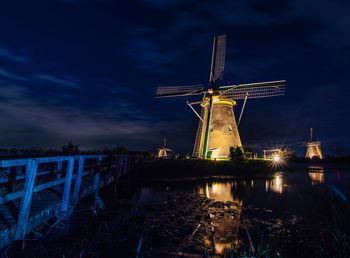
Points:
254	90
218	58
174	91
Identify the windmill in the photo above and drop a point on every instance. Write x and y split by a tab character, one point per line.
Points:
163	151
313	148
217	130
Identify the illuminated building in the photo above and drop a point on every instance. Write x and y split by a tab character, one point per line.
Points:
223	132
313	148
273	154
217	129
163	151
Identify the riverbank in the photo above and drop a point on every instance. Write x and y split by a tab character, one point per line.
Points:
192	168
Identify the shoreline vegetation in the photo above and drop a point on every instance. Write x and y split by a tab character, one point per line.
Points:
191	168
237	155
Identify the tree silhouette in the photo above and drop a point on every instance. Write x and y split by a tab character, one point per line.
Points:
236	153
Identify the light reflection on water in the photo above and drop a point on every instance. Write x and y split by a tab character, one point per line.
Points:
226	229
274	185
218	191
234	191
220	248
262	195
316	175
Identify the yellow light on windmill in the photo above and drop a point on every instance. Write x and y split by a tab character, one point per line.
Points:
216	99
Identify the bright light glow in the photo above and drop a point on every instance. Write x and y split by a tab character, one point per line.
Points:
276	158
210	91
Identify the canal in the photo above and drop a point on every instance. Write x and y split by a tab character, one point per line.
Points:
303	213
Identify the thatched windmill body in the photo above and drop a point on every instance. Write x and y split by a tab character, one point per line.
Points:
217	130
163	151
313	148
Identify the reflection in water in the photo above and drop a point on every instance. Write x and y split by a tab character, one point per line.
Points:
316	175
220	248
226	224
274	185
221	223
219	191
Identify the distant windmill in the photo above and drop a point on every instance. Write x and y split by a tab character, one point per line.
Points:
163	151
313	148
217	130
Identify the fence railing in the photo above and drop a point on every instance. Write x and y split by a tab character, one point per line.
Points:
33	190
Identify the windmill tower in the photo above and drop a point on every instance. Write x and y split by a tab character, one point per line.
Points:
313	148
217	130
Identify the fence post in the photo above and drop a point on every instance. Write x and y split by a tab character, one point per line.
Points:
109	177
96	186
115	175
78	179
59	169
124	164
31	170
67	184
118	168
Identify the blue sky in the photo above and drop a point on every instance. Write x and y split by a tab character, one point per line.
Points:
86	71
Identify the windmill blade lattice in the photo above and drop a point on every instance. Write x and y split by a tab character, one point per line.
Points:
219	53
254	90
175	91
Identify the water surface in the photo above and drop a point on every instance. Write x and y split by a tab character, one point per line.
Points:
274	203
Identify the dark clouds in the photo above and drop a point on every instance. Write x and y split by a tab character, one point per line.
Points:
87	70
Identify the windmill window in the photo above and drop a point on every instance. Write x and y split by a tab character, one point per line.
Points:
230	128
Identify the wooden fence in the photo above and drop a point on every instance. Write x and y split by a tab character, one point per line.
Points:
33	190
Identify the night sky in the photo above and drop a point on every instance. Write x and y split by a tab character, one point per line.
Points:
86	71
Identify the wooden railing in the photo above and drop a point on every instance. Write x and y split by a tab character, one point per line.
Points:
66	176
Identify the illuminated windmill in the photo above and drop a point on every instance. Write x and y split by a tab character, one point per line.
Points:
217	130
313	149
163	151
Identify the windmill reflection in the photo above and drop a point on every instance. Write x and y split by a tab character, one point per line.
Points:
274	185
225	222
219	191
316	175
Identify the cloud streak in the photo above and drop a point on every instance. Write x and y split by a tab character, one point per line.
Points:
56	80
9	55
8	75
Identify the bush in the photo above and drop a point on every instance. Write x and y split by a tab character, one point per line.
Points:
236	153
